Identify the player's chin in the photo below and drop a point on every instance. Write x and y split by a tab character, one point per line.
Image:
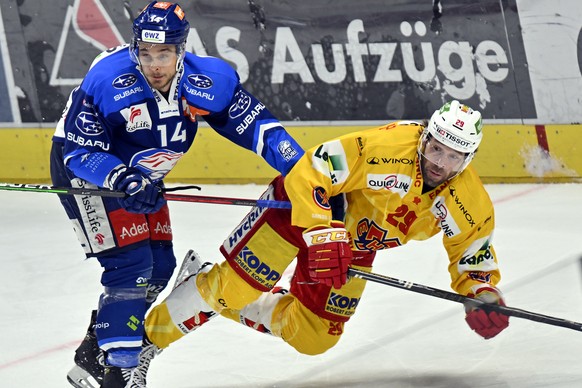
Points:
160	83
433	179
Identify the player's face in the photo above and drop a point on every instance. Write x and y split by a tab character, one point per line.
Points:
439	162
158	64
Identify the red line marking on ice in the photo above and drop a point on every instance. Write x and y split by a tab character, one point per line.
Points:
519	194
67	346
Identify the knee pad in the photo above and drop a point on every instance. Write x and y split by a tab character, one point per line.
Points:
115	295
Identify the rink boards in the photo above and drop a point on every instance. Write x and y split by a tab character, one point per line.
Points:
509	153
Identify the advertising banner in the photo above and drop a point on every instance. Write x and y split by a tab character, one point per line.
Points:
322	60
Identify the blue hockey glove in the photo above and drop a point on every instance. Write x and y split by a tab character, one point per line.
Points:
142	195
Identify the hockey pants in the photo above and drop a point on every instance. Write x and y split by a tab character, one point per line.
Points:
310	317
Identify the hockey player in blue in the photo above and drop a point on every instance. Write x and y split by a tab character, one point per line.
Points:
124	128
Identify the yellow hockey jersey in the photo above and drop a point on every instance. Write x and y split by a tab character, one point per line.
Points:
379	174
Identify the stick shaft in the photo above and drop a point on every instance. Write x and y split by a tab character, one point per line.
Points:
437	293
169	197
61	190
228	201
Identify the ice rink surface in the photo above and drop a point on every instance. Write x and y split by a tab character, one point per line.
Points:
396	339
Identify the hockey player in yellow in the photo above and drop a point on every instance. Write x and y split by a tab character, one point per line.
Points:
352	196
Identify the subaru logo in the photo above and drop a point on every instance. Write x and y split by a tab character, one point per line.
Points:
124	81
88	124
200	81
240	106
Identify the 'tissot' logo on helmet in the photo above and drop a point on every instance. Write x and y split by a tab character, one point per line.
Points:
200	81
452	138
124	81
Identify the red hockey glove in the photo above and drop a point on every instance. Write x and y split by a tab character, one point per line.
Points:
486	323
329	253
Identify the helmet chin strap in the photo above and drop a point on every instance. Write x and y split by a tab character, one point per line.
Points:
179	64
181	53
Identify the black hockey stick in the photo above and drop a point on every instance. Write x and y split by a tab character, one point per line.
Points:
169	197
61	190
419	288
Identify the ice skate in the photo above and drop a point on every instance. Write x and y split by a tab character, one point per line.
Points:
191	265
116	377
139	373
89	366
184	310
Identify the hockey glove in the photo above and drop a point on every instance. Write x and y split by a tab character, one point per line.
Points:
485	322
329	253
142	195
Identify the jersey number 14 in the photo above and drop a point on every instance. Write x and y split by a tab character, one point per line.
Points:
178	135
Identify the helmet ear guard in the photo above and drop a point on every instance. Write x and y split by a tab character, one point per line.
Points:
160	23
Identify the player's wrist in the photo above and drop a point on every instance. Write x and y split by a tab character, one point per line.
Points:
114	176
486	293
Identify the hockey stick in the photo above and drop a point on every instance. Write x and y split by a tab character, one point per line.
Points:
168	197
61	190
419	288
229	201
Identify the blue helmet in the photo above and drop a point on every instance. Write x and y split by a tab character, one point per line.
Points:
160	23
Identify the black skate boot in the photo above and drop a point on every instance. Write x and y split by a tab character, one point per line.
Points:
88	370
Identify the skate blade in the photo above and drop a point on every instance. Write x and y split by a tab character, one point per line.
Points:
190	266
80	378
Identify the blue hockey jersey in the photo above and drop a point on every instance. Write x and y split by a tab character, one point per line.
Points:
115	118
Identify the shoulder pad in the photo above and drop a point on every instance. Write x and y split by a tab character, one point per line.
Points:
114	79
109	52
209	82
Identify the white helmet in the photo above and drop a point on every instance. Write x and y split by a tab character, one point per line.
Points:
456	126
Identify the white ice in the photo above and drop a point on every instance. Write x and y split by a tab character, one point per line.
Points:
396	339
